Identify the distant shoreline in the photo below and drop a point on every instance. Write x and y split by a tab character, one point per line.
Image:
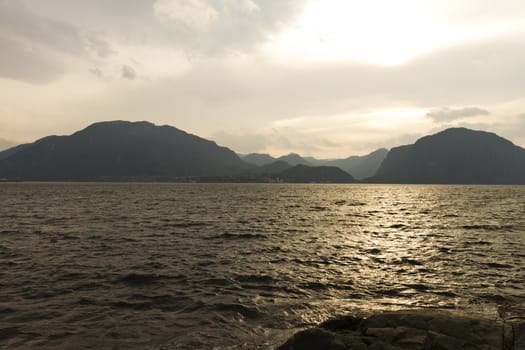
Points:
246	182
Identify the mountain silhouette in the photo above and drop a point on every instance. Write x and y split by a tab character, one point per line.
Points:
259	159
294	159
120	150
271	169
9	152
455	156
142	151
360	167
320	174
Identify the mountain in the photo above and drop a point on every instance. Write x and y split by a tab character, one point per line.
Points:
258	159
455	155
272	168
360	167
10	151
293	159
316	162
321	174
120	150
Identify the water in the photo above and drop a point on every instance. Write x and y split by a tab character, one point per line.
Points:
243	266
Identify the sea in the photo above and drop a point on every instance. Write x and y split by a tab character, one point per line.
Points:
244	266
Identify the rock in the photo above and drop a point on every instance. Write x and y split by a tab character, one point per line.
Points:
414	329
313	339
348	323
519	336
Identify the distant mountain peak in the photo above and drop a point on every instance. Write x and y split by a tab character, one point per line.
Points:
294	159
259	159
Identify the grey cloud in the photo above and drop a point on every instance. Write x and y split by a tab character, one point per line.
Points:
198	27
218	26
128	72
26	63
469	75
216	90
18	21
449	114
33	45
96	71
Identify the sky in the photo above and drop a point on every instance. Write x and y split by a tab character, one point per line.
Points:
324	78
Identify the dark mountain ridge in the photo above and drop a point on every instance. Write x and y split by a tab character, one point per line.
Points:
259	159
455	156
294	159
10	151
360	167
319	174
121	150
141	151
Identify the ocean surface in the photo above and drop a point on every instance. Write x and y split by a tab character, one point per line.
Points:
243	266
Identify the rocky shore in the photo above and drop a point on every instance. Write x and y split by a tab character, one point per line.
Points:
412	329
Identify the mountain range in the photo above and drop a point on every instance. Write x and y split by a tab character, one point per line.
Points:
142	151
361	167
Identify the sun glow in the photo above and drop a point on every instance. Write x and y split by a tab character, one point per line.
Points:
381	32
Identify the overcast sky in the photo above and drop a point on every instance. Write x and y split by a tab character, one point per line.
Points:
327	78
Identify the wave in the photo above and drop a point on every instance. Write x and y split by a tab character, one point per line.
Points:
246	311
141	278
229	236
488	227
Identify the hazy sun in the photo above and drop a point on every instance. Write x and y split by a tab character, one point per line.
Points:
383	32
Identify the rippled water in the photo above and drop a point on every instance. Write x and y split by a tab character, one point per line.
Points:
242	266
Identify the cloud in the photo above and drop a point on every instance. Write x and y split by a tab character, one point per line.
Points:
20	22
194	14
252	92
26	63
449	114
35	49
128	72
96	71
235	83
223	26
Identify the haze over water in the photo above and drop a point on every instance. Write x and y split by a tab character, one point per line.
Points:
243	266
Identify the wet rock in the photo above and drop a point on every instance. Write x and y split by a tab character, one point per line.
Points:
313	339
519	336
345	323
414	329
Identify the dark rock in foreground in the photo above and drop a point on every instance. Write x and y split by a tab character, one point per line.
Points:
420	329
